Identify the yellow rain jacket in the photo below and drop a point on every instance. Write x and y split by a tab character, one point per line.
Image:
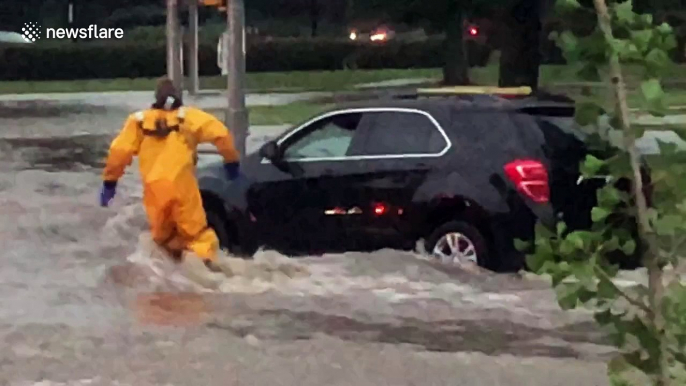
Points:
165	142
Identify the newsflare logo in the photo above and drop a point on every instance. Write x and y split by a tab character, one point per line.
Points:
31	32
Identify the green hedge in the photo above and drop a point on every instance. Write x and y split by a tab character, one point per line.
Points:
132	60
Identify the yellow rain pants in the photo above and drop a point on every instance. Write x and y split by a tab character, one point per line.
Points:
166	145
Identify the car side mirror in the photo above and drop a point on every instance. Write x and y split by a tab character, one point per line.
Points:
271	151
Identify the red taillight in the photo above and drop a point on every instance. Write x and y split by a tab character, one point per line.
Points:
473	31
379	209
531	179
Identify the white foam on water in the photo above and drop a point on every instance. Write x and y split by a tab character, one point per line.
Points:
97	381
270	271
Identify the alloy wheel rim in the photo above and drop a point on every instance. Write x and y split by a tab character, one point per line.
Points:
455	248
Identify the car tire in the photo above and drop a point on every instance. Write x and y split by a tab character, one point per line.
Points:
226	241
467	234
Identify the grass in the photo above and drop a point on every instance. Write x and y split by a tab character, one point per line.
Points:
280	114
556	78
256	82
551	76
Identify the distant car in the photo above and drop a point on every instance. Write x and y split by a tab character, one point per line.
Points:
475	38
467	174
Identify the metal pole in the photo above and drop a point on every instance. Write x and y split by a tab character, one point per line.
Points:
193	47
173	41
70	18
237	114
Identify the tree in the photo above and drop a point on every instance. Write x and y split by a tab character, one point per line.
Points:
647	323
436	15
520	51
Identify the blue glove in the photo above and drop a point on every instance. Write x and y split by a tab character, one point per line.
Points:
109	189
232	170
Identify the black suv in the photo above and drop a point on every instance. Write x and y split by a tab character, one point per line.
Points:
468	174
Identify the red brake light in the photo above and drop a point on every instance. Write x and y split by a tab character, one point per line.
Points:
473	31
379	209
531	179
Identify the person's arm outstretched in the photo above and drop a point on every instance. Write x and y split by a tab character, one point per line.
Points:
212	130
122	150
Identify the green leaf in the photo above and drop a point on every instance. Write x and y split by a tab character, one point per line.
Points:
619	46
642	39
635	360
629	247
647	19
668	224
568	295
631	53
665	29
652	89
624	12
599	214
604	317
591	166
585	295
559	276
589	72
654	96
561	228
521	245
567	248
580	239
656	62
667	148
669	43
583	271
567	5
587	113
607	290
569	44
543	231
608	196
536	262
612	244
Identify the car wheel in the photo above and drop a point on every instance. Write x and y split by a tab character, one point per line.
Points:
226	241
458	242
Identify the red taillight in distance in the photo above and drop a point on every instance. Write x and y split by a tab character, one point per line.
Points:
379	209
531	179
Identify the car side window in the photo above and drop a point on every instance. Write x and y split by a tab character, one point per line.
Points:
403	133
328	137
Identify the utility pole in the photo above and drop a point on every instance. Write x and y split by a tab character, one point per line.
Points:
173	44
70	18
192	56
237	114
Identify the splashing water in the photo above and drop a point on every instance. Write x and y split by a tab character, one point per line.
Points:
387	275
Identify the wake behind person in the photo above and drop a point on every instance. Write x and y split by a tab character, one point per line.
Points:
165	139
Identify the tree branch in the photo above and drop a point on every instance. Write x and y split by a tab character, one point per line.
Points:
633	301
651	258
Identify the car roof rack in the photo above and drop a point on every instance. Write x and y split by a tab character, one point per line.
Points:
522	98
522	91
482	93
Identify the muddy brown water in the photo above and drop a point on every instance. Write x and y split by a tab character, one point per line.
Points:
84	301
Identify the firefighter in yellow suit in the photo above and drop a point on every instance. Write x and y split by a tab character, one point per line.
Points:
165	139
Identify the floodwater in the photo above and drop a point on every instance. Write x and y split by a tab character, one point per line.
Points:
86	299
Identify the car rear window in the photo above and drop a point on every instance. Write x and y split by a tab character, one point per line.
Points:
400	132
